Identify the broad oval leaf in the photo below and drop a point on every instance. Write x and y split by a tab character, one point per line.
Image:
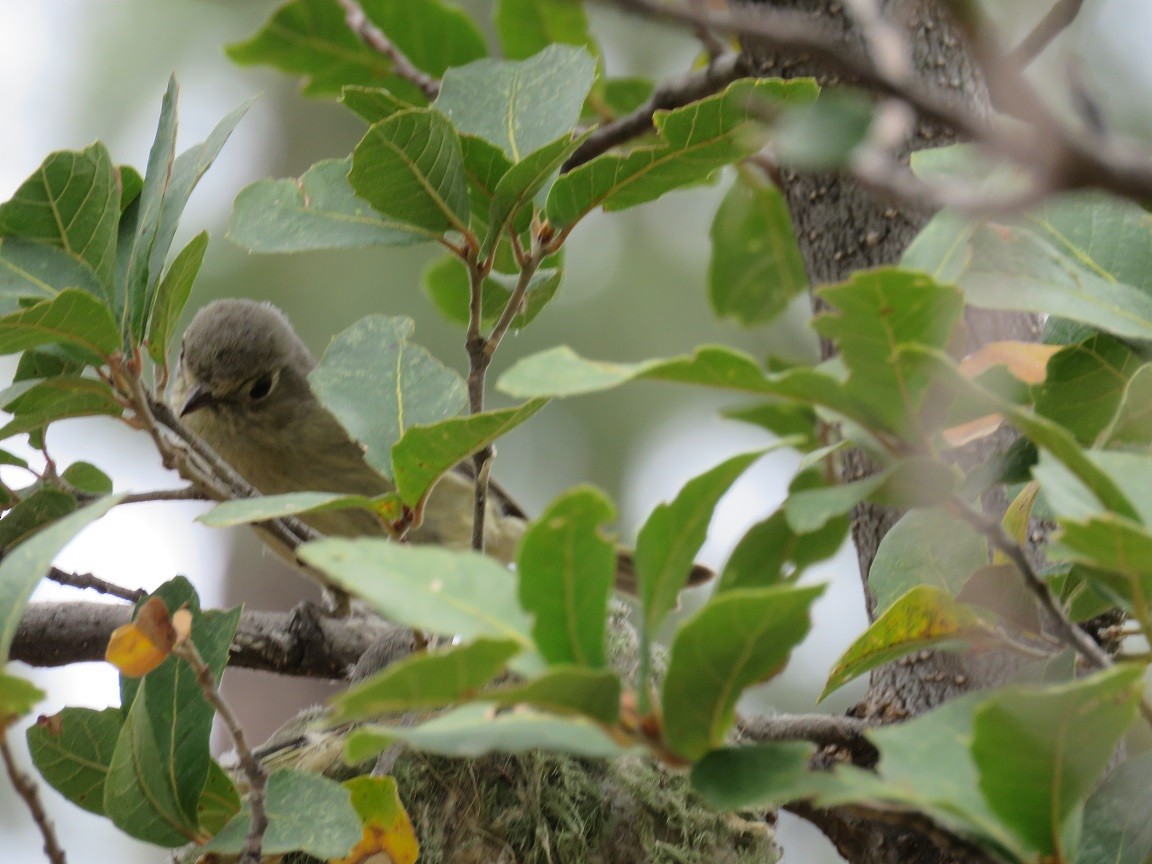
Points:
410	168
566	567
519	105
436	590
741	638
925	617
320	210
73	317
72	751
403	383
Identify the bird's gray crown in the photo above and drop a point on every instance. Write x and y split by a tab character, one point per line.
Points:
231	340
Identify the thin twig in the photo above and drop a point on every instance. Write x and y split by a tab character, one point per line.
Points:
847	733
1067	159
887	44
1064	628
1059	17
93	583
25	787
374	38
670	94
253	770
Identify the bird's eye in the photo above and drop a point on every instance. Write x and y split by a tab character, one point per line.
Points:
261	387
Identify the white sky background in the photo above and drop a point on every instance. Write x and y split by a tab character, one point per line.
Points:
44	51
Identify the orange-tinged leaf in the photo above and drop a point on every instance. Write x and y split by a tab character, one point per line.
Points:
973	430
387	828
924	617
1027	361
154	622
133	653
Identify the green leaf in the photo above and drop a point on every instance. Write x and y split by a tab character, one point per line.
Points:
1118	816
429	680
1015	267
31	269
373	103
756	267
387	828
408	384
72	317
913	482
72	201
528	26
425	453
58	399
410	167
320	210
219	801
566	569
1040	752
23	567
674	532
1041	431
474	730
72	751
926	547
436	590
741	638
771	552
18	696
519	105
1085	384
446	282
783	419
524	181
763	775
567	689
1132	423
86	477
311	38
924	617
876	312
172	295
561	372
823	136
42	507
162	760
695	140
306	813
247	510
167	187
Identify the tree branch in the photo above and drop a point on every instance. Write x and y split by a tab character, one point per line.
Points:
25	787
59	634
374	38
1054	23
673	93
826	730
88	581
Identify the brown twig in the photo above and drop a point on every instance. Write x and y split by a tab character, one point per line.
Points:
253	770
86	581
1058	18
673	93
53	634
374	38
846	733
25	787
1065	629
1066	159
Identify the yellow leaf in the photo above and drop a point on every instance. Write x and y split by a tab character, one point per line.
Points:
387	829
1027	361
133	653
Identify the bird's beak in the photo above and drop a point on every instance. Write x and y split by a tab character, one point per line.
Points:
198	397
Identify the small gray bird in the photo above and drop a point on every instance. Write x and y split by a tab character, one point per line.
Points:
242	386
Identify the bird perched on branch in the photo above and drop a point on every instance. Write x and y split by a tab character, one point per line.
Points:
242	386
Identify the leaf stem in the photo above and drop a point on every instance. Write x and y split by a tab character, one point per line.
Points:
1065	629
25	787
253	770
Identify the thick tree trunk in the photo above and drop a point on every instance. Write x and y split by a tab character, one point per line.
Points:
841	228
